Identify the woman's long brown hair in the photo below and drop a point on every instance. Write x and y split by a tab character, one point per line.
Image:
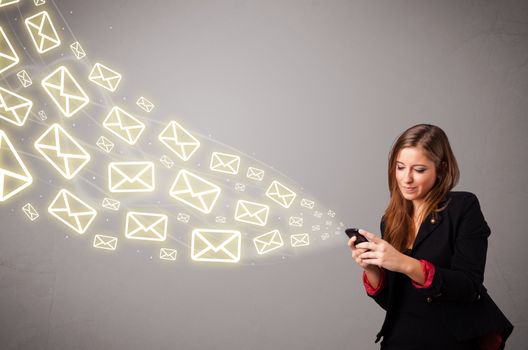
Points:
398	217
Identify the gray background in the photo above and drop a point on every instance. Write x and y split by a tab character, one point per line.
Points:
319	90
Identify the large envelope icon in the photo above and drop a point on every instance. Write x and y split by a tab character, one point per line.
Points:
267	242
14	108
64	90
168	254
14	176
105	77
300	240
280	194
146	226
123	125
194	191
62	151
105	242
216	245
131	177
255	174
42	32
8	55
72	211
225	163
179	140
7	2
251	213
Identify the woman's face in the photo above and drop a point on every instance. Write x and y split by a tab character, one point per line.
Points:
415	174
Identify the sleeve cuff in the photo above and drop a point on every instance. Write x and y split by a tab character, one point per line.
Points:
429	272
368	287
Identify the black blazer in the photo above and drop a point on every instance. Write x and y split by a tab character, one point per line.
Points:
456	243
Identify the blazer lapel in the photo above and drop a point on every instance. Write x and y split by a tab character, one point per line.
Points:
428	225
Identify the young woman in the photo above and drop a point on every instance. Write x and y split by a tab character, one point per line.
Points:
427	269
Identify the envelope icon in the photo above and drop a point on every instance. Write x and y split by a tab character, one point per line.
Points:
123	125
295	221
300	240
30	212
240	187
318	214
166	161
255	174
267	242
24	78
42	115
221	219
146	226
131	177
194	191
179	140
331	213
72	211
168	254
42	32
280	194
7	2
39	2
14	108
225	163
307	203
77	50
216	245
65	92
325	236
251	213
14	176
105	242
111	204
105	144
145	104
8	55
62	151
105	77
183	217
316	227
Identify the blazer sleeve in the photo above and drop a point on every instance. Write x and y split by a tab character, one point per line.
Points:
462	282
381	297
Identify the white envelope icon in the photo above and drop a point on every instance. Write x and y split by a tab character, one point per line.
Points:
146	226
195	191
8	55
42	32
225	163
65	91
124	125
14	176
14	108
180	141
131	177
72	211
216	245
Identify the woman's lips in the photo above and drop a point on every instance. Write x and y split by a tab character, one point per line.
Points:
409	189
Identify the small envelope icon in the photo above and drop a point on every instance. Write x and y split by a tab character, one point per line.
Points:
145	104
146	226
216	245
251	213
267	242
166	161
123	125
183	217
168	254
307	203
105	144
280	194
255	174
225	163
105	77
8	55
295	221
331	213
62	151
221	219
316	227
24	78
300	240
105	242
111	204
14	176
14	108
77	50
39	2
7	2
72	211
30	212
179	140
131	177
42	32
194	191
64	90
240	187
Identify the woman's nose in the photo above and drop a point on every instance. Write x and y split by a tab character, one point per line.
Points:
408	177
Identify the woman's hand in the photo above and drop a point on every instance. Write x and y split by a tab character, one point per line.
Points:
356	253
380	253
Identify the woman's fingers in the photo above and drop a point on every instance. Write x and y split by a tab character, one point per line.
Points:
351	241
370	236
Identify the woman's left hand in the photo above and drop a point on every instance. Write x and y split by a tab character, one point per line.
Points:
381	253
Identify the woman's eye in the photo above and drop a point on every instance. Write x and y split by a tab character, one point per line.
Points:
419	171
399	167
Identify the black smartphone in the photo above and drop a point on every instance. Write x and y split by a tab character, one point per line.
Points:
351	232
